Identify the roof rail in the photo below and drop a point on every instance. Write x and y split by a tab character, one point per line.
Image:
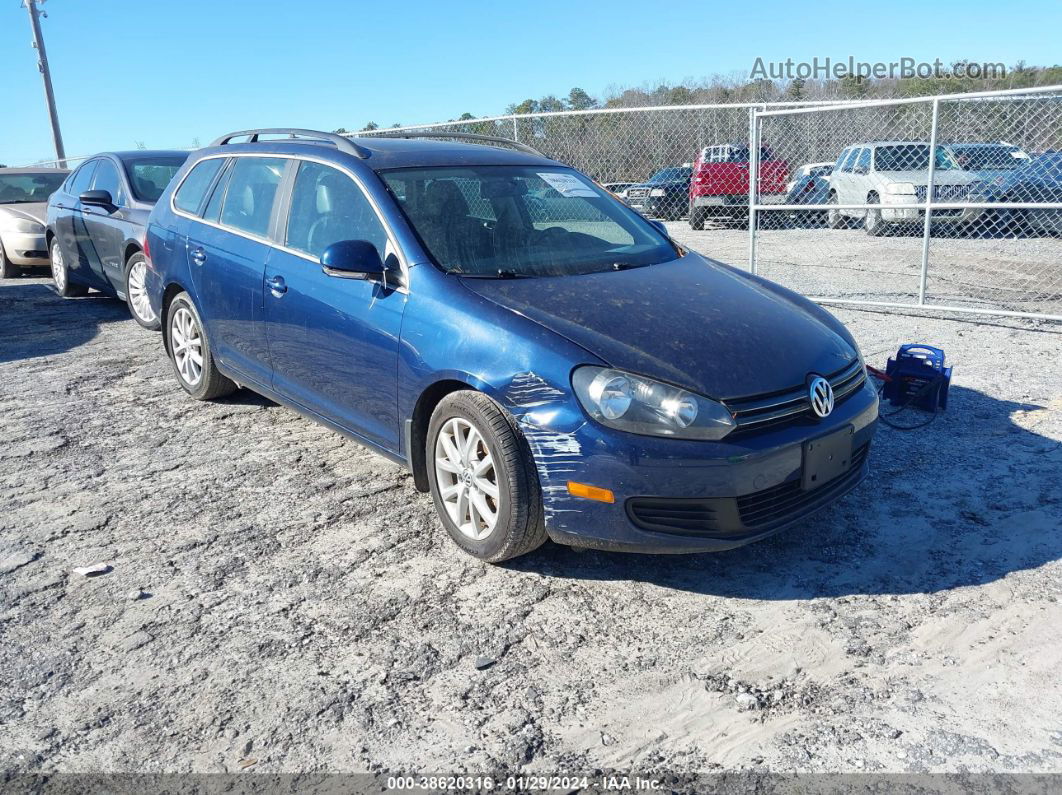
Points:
460	136
342	143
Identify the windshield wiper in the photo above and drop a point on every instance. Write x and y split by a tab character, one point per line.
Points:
498	274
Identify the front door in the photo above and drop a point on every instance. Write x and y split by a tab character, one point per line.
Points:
104	226
333	342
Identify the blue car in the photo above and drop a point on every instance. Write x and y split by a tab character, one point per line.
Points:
580	377
95	225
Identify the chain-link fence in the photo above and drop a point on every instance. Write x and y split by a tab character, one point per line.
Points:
977	227
867	215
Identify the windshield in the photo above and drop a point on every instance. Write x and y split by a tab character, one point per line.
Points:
507	221
149	176
994	158
29	188
911	157
671	175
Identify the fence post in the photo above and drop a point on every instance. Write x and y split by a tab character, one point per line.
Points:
930	191
754	184
516	132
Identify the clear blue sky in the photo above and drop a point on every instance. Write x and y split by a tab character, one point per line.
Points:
167	71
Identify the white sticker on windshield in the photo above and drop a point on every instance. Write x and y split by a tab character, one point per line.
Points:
567	184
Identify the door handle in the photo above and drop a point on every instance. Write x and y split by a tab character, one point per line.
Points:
198	255
277	286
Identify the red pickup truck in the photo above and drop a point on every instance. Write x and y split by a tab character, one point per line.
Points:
719	187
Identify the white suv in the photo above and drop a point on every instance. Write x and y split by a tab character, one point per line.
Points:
895	173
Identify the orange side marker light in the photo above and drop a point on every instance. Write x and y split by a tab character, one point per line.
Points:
590	492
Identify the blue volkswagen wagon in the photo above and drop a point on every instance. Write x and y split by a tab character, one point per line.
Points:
546	362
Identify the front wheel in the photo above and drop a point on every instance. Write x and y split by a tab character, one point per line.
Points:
483	479
136	295
61	275
697	217
7	269
189	350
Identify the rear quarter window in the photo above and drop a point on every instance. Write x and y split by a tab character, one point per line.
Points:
189	196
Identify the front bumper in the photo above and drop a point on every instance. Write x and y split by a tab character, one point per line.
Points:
757	477
657	206
26	250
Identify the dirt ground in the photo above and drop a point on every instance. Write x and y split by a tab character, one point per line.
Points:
279	599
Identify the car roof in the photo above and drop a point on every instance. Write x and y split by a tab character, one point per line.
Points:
135	154
34	170
388	153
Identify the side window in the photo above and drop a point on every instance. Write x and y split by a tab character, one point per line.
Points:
107	179
189	196
79	183
213	208
862	163
850	160
326	207
252	189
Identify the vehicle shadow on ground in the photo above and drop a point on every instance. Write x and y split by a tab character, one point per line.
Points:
35	322
964	501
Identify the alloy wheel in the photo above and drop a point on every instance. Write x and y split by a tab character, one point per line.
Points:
58	268
467	478
137	288
186	343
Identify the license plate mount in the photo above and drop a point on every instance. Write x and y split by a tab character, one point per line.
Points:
827	457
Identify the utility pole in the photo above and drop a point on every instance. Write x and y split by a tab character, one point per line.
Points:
42	64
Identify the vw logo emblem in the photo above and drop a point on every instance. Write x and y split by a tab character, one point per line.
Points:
820	395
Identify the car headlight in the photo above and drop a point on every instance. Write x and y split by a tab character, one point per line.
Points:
902	188
23	225
641	405
657	192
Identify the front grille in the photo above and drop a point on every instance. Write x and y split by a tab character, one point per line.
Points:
944	193
791	405
729	517
763	509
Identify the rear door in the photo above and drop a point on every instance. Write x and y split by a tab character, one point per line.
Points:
227	252
334	341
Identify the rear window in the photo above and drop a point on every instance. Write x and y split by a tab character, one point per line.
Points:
189	196
150	175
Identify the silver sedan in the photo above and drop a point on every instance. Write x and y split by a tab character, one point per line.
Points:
24	196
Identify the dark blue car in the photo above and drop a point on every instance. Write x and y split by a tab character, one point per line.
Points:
579	377
96	221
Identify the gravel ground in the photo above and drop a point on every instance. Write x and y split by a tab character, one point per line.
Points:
279	599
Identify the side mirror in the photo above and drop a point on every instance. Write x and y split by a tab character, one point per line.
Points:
97	198
353	259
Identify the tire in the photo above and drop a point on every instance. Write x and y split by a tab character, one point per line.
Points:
7	269
61	274
872	222
697	216
834	218
184	333
136	297
518	525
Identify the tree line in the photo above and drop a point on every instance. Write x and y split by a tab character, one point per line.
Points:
720	89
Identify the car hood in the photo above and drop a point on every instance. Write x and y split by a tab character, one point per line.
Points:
946	177
679	183
690	322
34	212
